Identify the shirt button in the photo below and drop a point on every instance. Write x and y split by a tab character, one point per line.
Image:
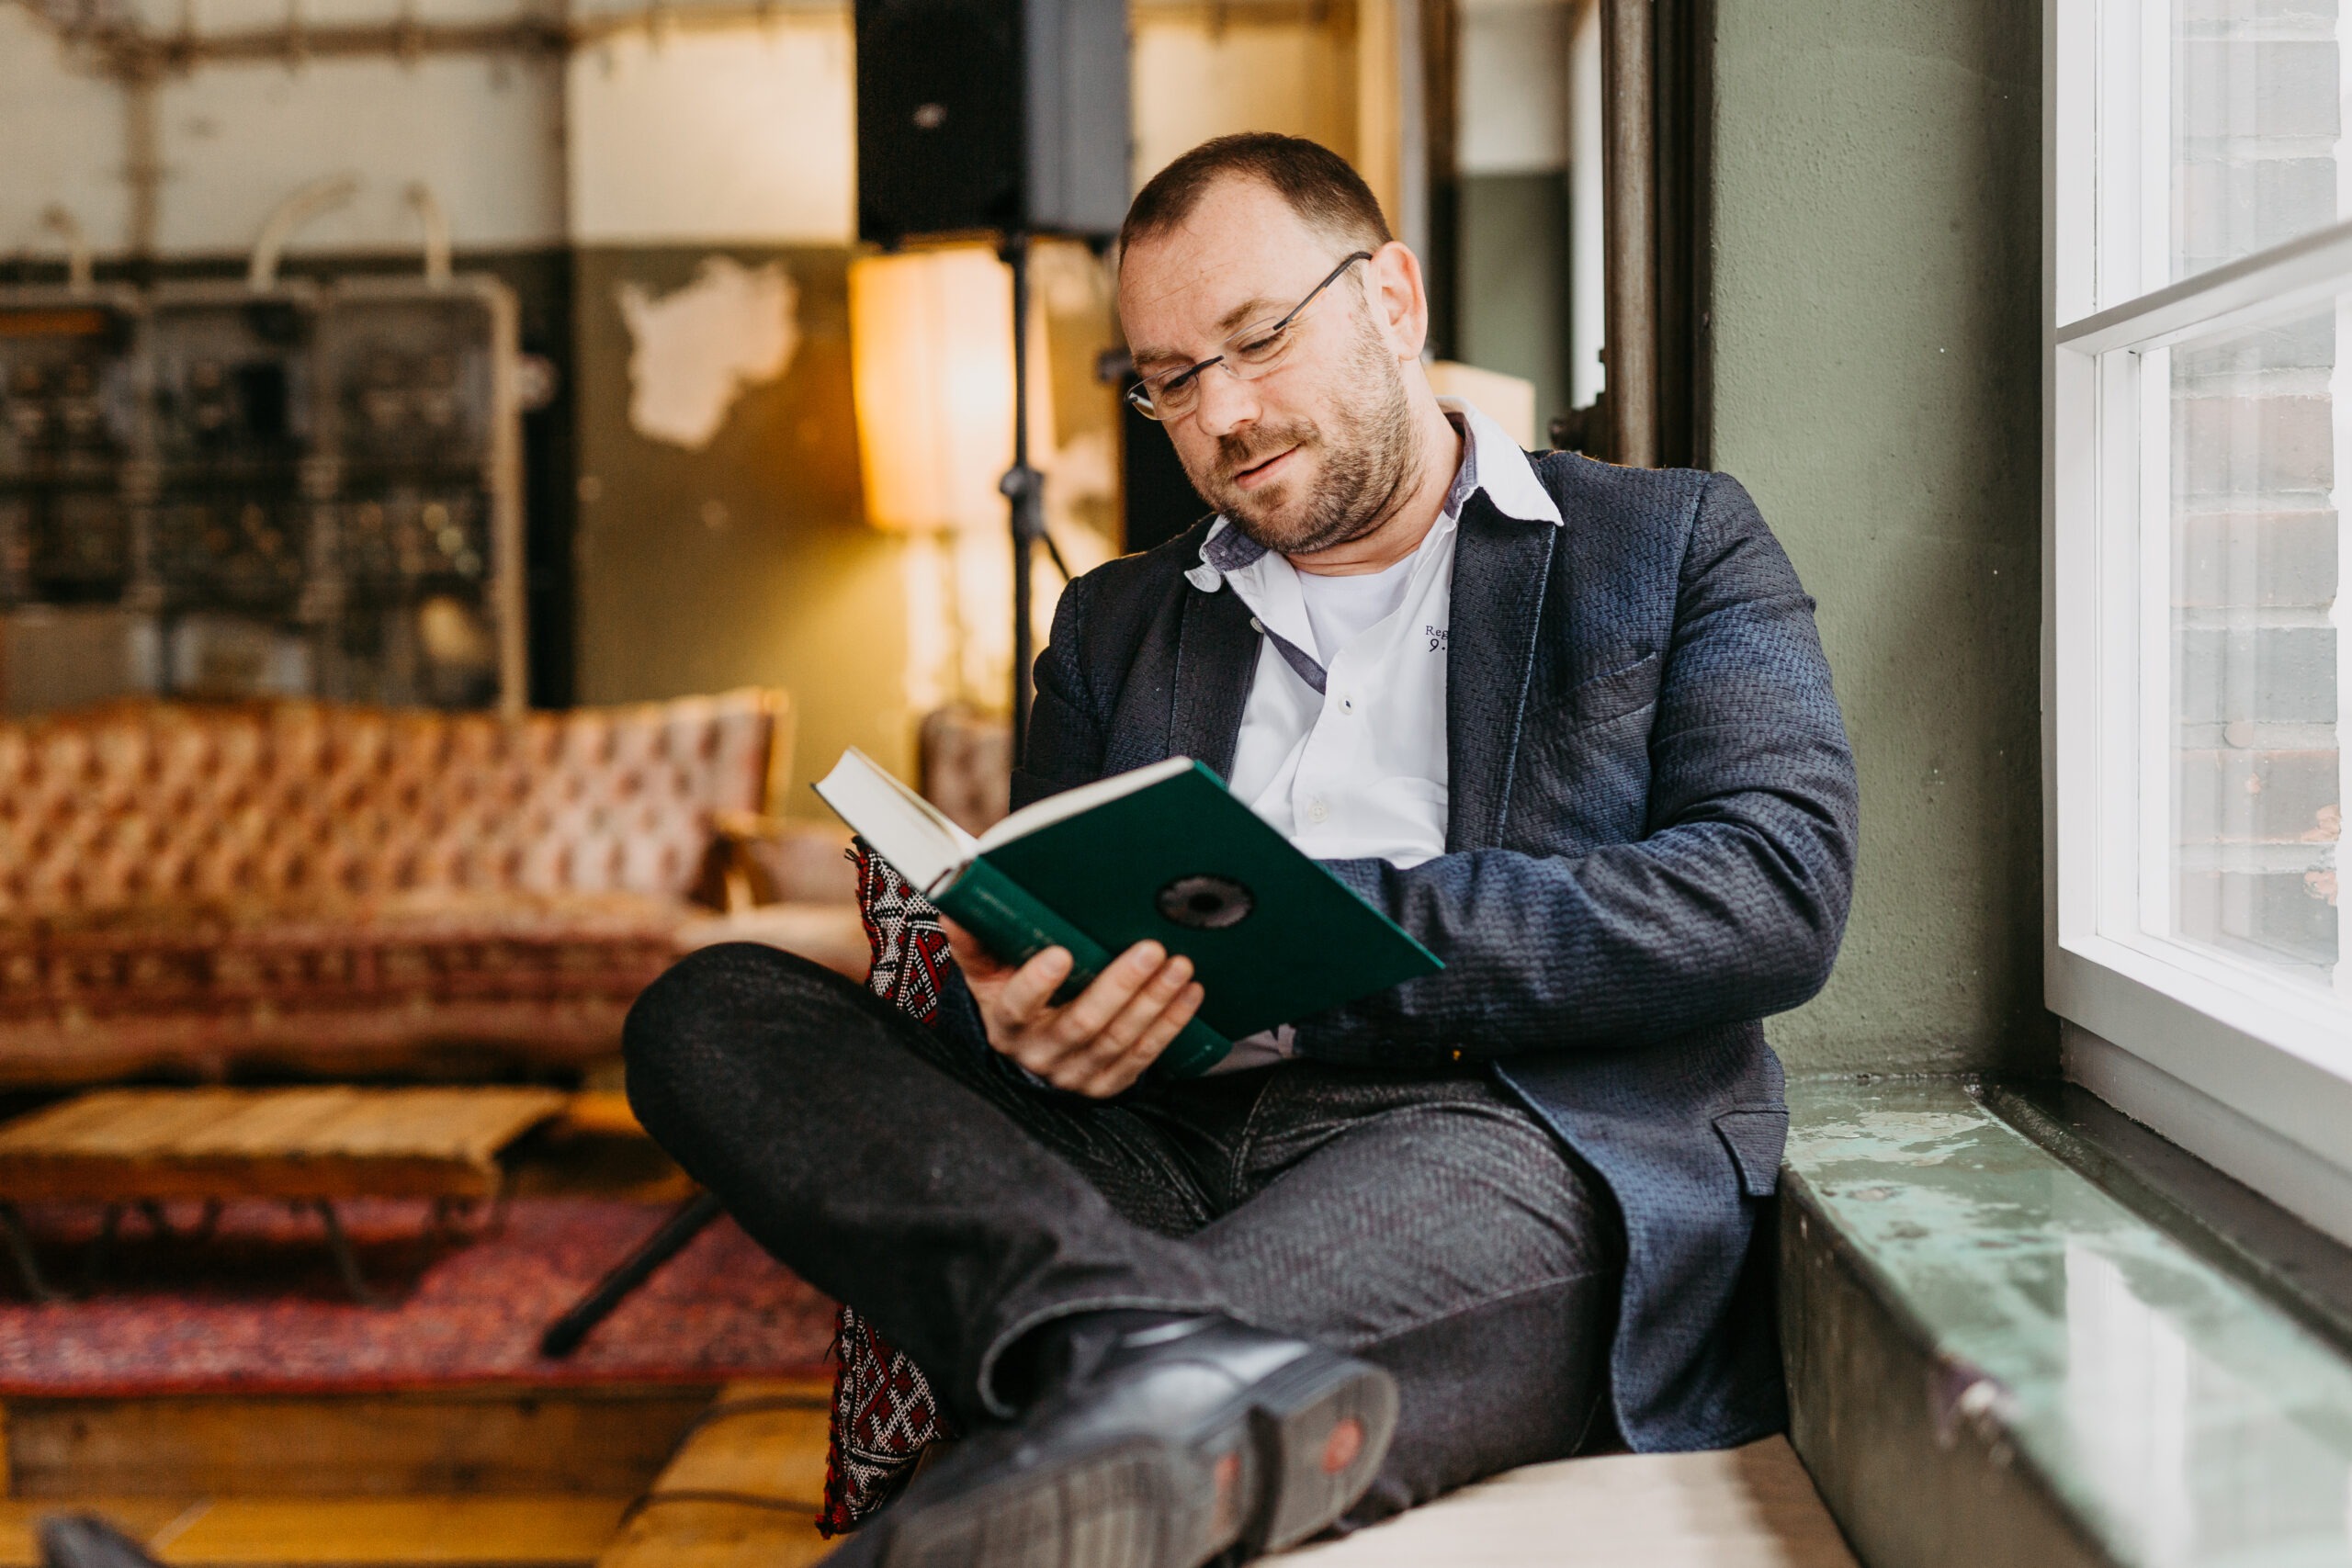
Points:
1316	811
1347	704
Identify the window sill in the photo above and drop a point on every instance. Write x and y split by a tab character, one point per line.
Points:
2269	1108
1993	1359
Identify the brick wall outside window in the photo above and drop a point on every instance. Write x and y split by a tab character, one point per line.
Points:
2255	525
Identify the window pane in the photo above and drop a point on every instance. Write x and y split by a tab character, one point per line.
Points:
2255	431
2256	91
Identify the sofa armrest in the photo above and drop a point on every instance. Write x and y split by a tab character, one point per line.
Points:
778	860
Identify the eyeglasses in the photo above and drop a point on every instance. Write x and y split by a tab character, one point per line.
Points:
1249	353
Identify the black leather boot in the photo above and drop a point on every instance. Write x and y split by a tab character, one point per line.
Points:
1154	1441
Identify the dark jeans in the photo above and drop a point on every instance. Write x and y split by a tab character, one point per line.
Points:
1424	1221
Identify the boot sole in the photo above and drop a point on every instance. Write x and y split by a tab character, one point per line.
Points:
1306	1441
1321	1442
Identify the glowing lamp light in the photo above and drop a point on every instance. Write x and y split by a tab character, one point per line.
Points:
931	345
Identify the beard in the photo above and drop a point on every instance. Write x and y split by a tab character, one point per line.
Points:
1369	461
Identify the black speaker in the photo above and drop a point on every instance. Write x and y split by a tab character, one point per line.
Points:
991	114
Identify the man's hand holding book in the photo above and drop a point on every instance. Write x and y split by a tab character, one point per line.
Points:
1099	1041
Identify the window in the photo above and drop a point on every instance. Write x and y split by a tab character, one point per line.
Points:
2198	461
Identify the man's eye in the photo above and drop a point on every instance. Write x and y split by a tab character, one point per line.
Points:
1262	344
1175	386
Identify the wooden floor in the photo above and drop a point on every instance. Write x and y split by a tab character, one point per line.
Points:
728	1478
550	1529
741	1490
499	1479
608	1441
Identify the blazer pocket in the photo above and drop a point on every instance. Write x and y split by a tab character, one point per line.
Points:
1755	1135
1616	694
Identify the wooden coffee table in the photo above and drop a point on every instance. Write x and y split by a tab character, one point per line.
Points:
308	1147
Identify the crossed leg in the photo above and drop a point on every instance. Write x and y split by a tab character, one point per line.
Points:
1426	1223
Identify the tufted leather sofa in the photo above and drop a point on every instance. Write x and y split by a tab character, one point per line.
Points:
193	889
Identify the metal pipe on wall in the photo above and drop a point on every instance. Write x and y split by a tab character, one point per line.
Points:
435	218
1629	222
131	50
80	266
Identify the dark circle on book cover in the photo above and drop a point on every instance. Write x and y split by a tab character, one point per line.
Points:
1206	903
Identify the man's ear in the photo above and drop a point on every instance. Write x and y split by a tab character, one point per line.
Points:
1400	299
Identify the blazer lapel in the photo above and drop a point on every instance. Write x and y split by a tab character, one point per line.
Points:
1500	568
1216	658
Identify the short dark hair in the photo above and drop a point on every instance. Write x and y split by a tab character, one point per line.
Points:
1319	185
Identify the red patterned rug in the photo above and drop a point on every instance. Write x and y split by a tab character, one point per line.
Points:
258	1307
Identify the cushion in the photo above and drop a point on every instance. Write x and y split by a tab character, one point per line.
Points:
833	934
884	1411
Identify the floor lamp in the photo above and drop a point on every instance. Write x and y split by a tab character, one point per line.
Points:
941	352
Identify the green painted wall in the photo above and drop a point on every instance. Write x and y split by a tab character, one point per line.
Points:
747	561
1875	319
1514	304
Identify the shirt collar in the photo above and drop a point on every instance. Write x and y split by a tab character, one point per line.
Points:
1491	461
1495	463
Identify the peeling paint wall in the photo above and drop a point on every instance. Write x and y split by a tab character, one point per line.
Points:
230	140
62	133
746	559
1876	338
738	133
729	546
485	134
743	558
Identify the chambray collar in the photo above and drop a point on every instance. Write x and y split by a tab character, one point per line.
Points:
1491	461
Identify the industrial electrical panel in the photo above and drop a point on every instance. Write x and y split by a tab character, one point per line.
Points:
239	542
428	518
216	490
67	417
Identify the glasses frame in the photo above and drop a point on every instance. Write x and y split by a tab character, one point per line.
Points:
1140	395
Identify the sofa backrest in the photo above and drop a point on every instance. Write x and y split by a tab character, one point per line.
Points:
155	802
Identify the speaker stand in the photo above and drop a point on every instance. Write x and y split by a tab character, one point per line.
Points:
1025	487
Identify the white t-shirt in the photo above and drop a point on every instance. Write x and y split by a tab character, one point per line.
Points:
1340	609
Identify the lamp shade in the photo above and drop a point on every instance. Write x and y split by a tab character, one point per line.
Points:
930	343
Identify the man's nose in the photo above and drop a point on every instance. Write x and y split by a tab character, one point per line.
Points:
1228	403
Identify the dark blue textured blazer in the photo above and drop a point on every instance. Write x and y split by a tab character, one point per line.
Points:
1649	847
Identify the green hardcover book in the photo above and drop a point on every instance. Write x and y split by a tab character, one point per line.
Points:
1165	853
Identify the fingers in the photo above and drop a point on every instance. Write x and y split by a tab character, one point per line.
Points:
1102	1040
1041	1037
1122	1070
1032	986
1148	1003
1102	1002
975	960
1116	1054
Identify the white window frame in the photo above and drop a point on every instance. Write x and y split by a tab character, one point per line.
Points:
2203	1049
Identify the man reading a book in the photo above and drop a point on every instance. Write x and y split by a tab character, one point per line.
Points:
1568	725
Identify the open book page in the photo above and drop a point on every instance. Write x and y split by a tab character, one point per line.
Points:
904	828
1071	802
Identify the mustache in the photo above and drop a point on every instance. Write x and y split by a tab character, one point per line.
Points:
1241	450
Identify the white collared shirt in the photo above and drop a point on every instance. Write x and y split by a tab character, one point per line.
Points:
1357	769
